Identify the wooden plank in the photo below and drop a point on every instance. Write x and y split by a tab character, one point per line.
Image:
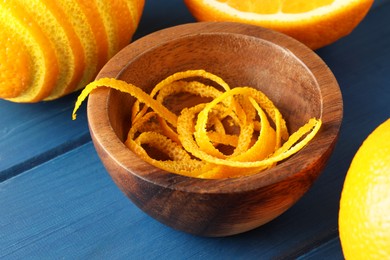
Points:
158	15
328	250
69	207
34	133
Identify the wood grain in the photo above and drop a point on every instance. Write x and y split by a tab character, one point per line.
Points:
295	78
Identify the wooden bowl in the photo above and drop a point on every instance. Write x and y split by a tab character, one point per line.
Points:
293	76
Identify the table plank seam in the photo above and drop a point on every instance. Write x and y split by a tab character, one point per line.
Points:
308	246
44	157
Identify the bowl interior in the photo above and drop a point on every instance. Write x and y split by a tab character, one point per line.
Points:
290	74
238	59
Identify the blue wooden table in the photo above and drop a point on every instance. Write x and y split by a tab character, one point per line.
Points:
57	201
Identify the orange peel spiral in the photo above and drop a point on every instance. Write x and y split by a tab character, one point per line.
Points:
199	141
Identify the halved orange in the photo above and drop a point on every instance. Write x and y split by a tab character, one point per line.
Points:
316	23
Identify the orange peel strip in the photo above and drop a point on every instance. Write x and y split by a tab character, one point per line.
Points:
175	77
139	126
200	128
185	122
313	125
163	144
127	88
187	167
246	126
264	145
193	87
218	138
167	130
190	140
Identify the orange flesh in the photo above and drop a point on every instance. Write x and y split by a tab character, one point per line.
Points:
272	6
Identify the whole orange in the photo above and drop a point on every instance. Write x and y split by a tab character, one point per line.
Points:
364	217
52	48
316	23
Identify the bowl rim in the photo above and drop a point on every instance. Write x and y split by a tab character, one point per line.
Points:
332	112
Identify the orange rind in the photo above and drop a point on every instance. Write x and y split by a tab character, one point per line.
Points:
199	141
315	23
52	48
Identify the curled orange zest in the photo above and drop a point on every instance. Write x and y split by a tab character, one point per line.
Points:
225	134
